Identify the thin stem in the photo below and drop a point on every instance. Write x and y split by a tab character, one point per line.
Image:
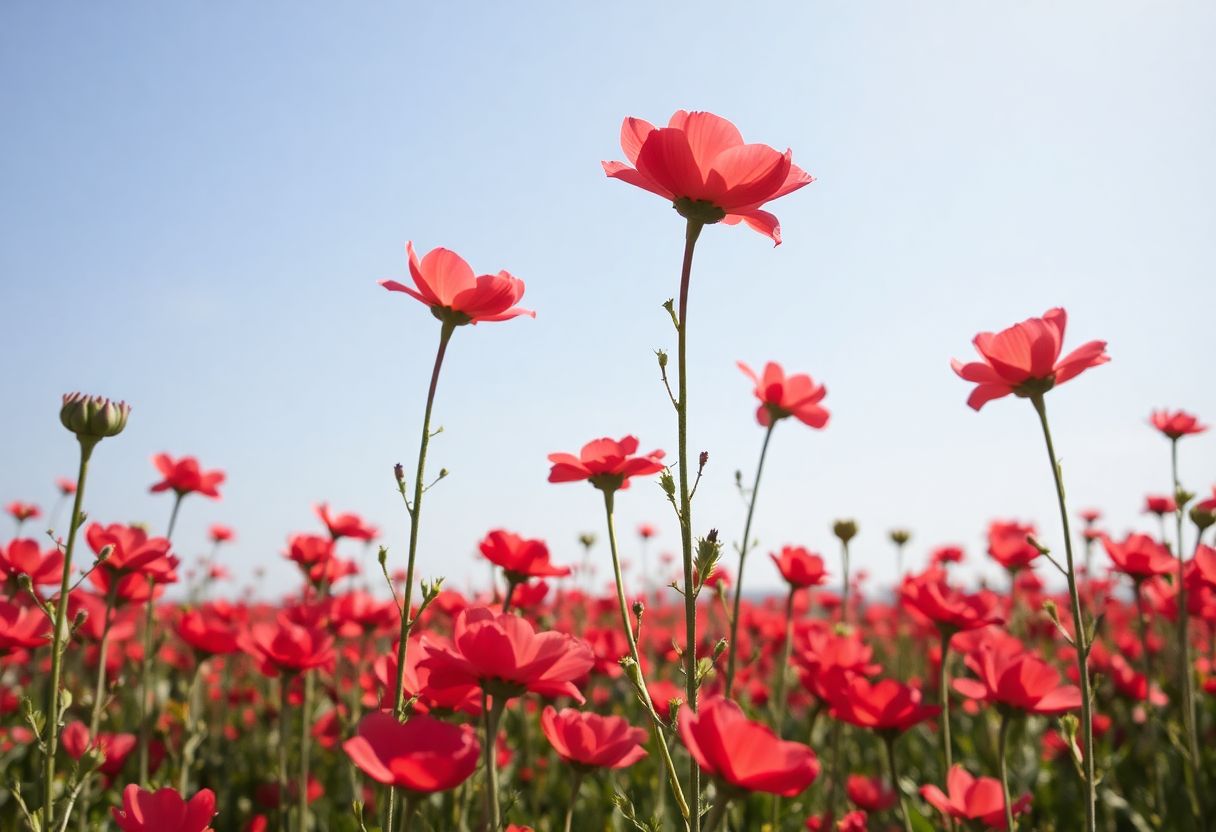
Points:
506	601
1080	636
743	549
58	644
780	695
99	691
889	741
692	232
284	734
717	813
1150	714
1002	736
943	684
574	787
145	684
1186	683
191	722
844	591
672	777
491	712
305	750
408	811
414	510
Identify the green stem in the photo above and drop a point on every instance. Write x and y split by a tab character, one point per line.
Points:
672	777
943	684
889	741
1186	683
191	722
145	685
59	645
1150	711
743	548
506	600
717	813
780	694
284	735
492	712
415	515
574	787
305	751
99	691
844	592
1080	636
1004	765
692	232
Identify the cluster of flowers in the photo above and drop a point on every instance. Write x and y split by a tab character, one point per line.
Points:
682	707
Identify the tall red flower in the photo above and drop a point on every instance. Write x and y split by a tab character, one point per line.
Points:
422	755
782	396
972	798
207	633
345	524
799	567
504	655
1159	504
23	511
1009	546
132	553
66	486
23	557
588	740
1019	680
184	476
164	811
700	162
1025	359
606	463
744	754
520	558
930	595
1139	556
287	647
885	706
1176	423
21	628
220	533
446	283
869	793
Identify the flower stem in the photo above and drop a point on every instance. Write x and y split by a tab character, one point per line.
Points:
99	692
844	591
59	645
780	694
574	787
889	741
189	742
145	684
943	685
672	777
1186	683
415	514
1080	636
692	232
717	813
284	735
305	750
492	712
1002	736
743	548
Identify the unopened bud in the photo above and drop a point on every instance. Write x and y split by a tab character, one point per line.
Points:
845	530
668	483
399	474
382	555
719	648
662	356
1202	517
703	459
587	539
900	536
93	418
81	617
1033	541
104	554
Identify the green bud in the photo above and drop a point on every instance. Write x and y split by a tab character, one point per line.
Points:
900	536
93	418
668	483
846	530
1202	518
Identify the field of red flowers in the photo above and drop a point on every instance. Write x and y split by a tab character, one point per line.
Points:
1070	698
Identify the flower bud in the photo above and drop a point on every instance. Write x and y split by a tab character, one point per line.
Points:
587	539
900	536
667	483
662	356
845	530
1202	518
399	475
703	459
93	418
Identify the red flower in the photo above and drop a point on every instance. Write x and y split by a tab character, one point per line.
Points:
207	633
1139	556
1176	423
21	628
23	511
1008	544
647	531
800	568
973	798
606	463
782	396
1017	680
446	283
285	647
700	163
519	558
22	557
1090	515
592	741
220	534
132	554
345	525
745	754
164	811
869	793
422	755
1025	359
506	656
186	477
887	705
1159	504
115	748
932	597
66	486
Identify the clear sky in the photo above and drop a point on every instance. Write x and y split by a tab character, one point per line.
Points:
197	199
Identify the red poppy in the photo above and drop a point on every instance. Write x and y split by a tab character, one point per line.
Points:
869	793
22	557
114	748
886	706
744	754
422	755
973	798
506	656
345	525
782	396
1090	515
186	477
646	531
1018	680
23	511
1176	423
1159	504
606	463
66	485
589	740
21	628
700	163
446	283
220	534
1139	556
946	554
799	567
1009	546
133	555
1025	359
207	633
286	647
520	558
164	811
930	595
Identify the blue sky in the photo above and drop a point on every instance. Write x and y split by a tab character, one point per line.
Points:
196	202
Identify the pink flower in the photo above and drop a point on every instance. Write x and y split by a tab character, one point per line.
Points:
164	811
185	476
607	463
446	283
782	396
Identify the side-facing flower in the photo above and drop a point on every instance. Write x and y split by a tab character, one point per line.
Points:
164	811
422	755
607	463
185	476
782	396
590	741
446	283
972	798
1176	424
519	557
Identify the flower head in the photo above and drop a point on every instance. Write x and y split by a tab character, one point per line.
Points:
700	162
1176	424
446	283
1016	679
422	755
184	476
93	418
972	798
1025	359
164	811
1009	544
345	524
607	463
782	396
799	567
520	558
885	706
592	741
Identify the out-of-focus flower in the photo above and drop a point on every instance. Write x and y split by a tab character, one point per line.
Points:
782	396
184	476
422	755
607	463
